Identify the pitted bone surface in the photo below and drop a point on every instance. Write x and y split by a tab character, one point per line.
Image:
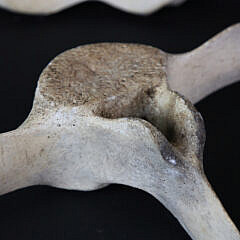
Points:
104	114
110	79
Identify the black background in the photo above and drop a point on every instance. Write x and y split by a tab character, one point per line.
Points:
28	43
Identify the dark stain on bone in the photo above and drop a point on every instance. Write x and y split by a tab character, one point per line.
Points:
41	152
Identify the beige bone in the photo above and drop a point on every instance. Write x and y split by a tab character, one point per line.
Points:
208	68
104	113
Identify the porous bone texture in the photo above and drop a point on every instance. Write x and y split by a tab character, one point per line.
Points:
110	80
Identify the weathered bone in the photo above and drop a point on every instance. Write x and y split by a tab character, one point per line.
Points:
208	68
103	113
53	6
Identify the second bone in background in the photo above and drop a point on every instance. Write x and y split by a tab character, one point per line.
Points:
104	114
52	6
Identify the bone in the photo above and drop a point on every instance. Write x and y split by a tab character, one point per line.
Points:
102	114
46	7
210	67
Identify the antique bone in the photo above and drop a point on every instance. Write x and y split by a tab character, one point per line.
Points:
53	6
104	113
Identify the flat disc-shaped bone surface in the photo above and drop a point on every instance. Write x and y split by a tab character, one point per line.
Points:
195	74
110	80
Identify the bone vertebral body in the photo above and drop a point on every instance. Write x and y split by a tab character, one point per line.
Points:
104	113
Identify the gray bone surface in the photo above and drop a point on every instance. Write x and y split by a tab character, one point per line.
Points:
52	6
104	113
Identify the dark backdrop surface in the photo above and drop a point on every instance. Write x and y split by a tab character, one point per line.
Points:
28	43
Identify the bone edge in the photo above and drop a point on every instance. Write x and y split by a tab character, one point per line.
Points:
147	9
211	219
20	151
202	220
